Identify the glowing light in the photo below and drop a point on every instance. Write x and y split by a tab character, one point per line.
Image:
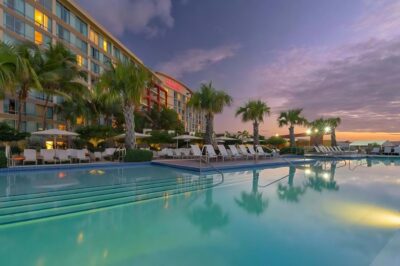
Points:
308	132
365	215
316	130
79	239
327	129
325	176
97	172
276	135
61	175
307	171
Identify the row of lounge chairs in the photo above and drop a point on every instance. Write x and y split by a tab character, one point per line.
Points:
208	152
386	151
65	156
334	150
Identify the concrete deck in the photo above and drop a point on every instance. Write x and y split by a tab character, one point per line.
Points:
194	164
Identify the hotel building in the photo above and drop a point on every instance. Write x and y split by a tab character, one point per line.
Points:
178	96
51	21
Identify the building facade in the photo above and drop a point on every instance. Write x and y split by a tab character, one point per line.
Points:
178	96
52	21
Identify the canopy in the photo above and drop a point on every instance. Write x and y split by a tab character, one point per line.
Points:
54	132
137	135
224	139
186	137
364	143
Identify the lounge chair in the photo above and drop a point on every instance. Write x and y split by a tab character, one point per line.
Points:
196	152
210	153
109	153
396	150
243	150
317	149
177	153
81	156
62	156
48	156
185	153
387	151
30	156
235	152
376	150
261	152
224	153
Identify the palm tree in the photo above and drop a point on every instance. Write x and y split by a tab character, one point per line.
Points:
291	118
59	74
18	74
254	111
290	192
253	202
212	102
125	84
319	128
333	123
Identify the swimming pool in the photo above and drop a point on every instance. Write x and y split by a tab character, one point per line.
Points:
327	213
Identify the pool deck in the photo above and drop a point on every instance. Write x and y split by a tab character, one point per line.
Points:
195	165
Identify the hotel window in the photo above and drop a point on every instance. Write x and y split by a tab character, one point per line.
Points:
81	26
62	12
48	4
42	20
14	24
38	38
17	5
79	60
95	53
117	53
106	60
94	37
95	68
63	33
81	45
10	106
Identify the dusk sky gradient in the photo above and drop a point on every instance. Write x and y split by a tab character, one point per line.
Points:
332	58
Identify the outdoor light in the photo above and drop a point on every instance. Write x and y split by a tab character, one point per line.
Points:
316	130
276	135
308	132
307	171
325	176
327	129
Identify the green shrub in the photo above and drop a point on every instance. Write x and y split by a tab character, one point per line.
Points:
292	150
138	156
3	160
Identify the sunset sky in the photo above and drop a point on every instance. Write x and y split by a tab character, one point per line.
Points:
332	58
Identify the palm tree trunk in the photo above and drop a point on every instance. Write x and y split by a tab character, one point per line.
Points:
46	103
254	187
255	133
333	137
130	140
209	128
292	138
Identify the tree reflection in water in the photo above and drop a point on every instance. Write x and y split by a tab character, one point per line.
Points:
209	216
290	192
323	179
253	202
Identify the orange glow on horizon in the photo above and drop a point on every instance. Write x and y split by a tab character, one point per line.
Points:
342	136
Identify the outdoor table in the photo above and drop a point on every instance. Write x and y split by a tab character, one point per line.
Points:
16	159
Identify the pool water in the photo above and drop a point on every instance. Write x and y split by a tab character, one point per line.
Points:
326	213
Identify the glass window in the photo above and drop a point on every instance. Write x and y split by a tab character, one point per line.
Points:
81	45
95	53
62	33
117	53
14	24
95	68
18	5
80	26
94	37
29	11
38	38
49	114
106	60
29	32
48	4
42	20
62	12
30	109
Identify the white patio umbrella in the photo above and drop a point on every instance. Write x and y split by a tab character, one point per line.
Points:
221	139
186	138
137	135
54	133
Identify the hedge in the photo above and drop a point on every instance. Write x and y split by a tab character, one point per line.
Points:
138	156
292	150
3	160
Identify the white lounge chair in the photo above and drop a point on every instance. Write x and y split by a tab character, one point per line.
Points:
177	153
185	153
396	150
376	150
234	151
62	156
317	149
387	151
210	153
261	152
109	153
81	156
243	150
224	153
48	156
196	152
30	156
